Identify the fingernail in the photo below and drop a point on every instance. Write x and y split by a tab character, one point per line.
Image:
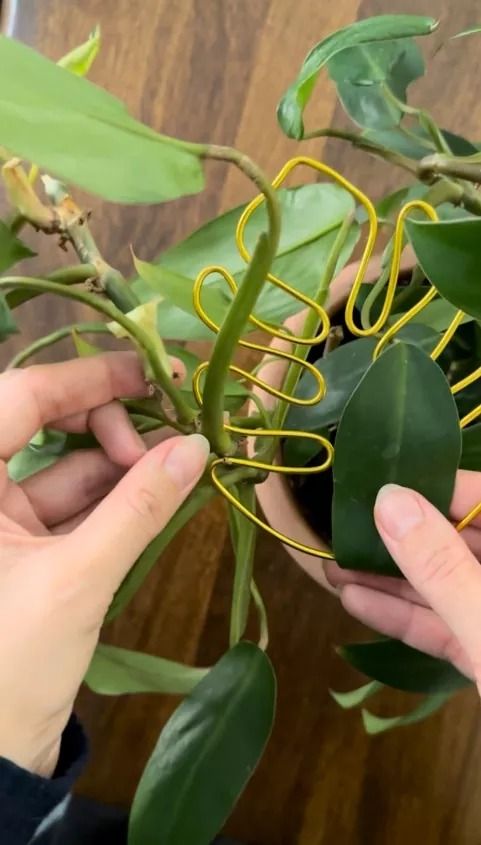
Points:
397	511
186	460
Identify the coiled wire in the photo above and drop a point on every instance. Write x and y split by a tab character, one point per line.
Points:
324	327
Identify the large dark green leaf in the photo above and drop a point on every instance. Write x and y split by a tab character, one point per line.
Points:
401	426
380	28
450	256
471	449
206	753
119	671
363	73
398	665
82	134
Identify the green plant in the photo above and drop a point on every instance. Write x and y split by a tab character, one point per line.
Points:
303	235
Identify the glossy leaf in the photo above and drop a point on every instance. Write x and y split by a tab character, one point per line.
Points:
438	315
120	671
449	254
398	665
356	697
206	753
378	28
81	58
363	73
471	448
416	143
80	133
311	216
11	248
399	426
380	724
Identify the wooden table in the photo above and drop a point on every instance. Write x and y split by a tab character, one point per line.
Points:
214	69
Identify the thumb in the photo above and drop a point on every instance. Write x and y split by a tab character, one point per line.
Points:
139	507
435	559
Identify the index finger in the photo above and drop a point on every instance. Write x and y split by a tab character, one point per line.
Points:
39	395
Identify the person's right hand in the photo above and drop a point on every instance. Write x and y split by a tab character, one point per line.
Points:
439	610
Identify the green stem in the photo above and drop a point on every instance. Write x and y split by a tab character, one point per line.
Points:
185	413
311	323
75	226
244	534
368	146
373	294
242	305
65	276
55	337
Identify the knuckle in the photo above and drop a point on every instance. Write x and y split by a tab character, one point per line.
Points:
147	506
441	564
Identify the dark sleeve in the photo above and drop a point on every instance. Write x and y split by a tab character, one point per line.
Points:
27	800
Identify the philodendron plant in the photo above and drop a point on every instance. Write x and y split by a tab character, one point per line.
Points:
385	391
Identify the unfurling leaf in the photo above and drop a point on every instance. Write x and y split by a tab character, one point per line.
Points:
379	28
206	753
348	700
413	440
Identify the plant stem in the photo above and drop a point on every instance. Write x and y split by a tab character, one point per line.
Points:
244	534
74	224
74	275
367	145
55	337
146	342
311	322
242	305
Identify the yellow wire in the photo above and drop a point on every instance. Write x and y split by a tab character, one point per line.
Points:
324	323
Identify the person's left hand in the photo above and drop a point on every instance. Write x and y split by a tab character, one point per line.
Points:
70	533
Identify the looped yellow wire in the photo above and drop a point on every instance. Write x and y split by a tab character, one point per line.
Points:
324	322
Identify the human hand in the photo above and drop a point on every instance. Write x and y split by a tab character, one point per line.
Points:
438	609
64	552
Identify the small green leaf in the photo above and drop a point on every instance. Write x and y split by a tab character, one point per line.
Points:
244	544
412	440
44	449
471	450
206	753
8	325
449	254
397	665
438	315
363	73
80	59
11	248
380	724
367	31
119	671
85	136
83	347
349	700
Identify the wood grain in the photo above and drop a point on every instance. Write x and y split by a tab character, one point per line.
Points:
214	69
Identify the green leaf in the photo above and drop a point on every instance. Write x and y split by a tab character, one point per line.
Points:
416	143
367	31
147	560
311	217
399	426
206	753
80	59
83	347
11	248
118	671
379	724
471	448
349	700
437	315
387	208
85	136
449	254
363	73
43	450
8	325
342	369
397	665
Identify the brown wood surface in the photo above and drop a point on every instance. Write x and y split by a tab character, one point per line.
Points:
214	69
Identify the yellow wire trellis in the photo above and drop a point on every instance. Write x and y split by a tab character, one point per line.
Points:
324	327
